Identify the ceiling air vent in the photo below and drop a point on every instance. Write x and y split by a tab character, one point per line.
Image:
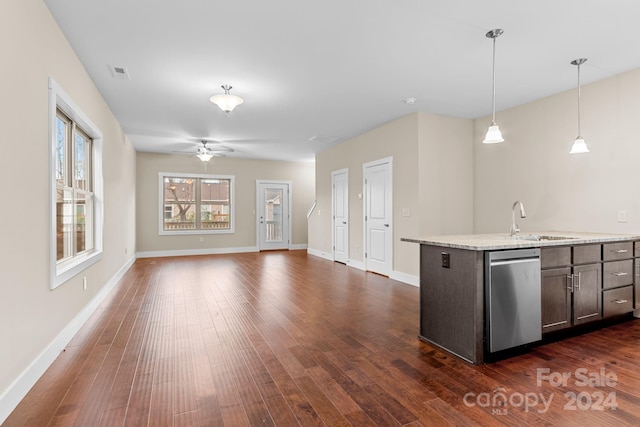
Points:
119	73
324	138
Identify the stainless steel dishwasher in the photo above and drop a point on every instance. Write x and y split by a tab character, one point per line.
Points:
512	298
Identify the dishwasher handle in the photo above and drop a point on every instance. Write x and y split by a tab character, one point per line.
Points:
515	261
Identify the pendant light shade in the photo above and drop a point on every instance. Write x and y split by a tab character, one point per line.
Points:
579	146
226	101
493	135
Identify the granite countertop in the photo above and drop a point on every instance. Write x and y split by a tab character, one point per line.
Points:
483	242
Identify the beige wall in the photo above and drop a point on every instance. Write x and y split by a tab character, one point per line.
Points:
31	314
427	150
446	175
560	191
246	173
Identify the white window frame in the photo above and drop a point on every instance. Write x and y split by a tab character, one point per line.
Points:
232	207
62	272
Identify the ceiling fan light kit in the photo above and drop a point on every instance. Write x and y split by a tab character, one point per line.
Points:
226	101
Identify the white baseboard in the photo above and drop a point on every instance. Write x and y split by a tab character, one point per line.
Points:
12	396
206	251
298	247
357	264
316	252
409	279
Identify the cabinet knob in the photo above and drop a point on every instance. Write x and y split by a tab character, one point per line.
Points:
620	273
620	301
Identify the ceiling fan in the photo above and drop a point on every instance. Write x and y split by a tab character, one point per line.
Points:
205	153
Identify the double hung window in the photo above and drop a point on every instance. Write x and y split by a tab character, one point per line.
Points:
76	188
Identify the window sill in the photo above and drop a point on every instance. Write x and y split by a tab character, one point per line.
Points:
192	232
70	270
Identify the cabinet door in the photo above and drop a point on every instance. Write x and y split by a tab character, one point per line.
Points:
636	279
587	293
556	299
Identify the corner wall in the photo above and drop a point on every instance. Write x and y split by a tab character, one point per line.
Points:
33	318
428	150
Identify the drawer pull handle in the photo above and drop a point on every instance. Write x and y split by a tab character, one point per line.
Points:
620	251
620	301
620	273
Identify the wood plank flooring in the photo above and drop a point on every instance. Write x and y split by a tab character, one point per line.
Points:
288	339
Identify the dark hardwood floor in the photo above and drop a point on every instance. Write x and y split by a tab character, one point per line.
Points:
287	339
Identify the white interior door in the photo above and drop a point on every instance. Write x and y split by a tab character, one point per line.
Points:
340	203
378	222
273	215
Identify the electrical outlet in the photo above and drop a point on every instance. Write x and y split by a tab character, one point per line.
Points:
445	260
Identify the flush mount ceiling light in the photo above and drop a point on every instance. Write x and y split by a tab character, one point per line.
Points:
226	101
579	146
493	133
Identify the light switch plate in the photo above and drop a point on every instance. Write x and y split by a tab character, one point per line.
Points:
622	216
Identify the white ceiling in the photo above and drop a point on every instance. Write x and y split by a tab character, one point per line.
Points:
334	68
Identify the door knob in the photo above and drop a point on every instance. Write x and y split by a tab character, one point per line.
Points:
344	222
386	225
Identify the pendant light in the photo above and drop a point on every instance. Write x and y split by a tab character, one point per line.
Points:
579	146
226	101
493	133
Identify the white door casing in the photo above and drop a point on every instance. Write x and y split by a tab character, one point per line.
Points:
378	221
273	214
340	217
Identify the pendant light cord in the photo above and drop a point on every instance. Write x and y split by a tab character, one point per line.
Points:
579	133
493	100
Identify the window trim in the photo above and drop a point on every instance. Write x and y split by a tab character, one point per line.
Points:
232	208
61	273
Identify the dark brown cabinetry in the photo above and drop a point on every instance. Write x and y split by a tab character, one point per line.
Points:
584	283
556	299
617	278
571	286
636	276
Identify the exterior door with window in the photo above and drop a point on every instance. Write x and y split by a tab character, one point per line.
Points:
378	216
340	204
273	215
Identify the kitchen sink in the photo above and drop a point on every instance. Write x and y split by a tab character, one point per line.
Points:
541	238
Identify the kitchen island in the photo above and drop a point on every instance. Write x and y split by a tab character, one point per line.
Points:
580	278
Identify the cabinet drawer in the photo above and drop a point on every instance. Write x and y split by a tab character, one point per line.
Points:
587	254
617	273
617	301
614	251
555	257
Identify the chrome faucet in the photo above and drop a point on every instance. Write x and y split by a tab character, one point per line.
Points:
514	227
